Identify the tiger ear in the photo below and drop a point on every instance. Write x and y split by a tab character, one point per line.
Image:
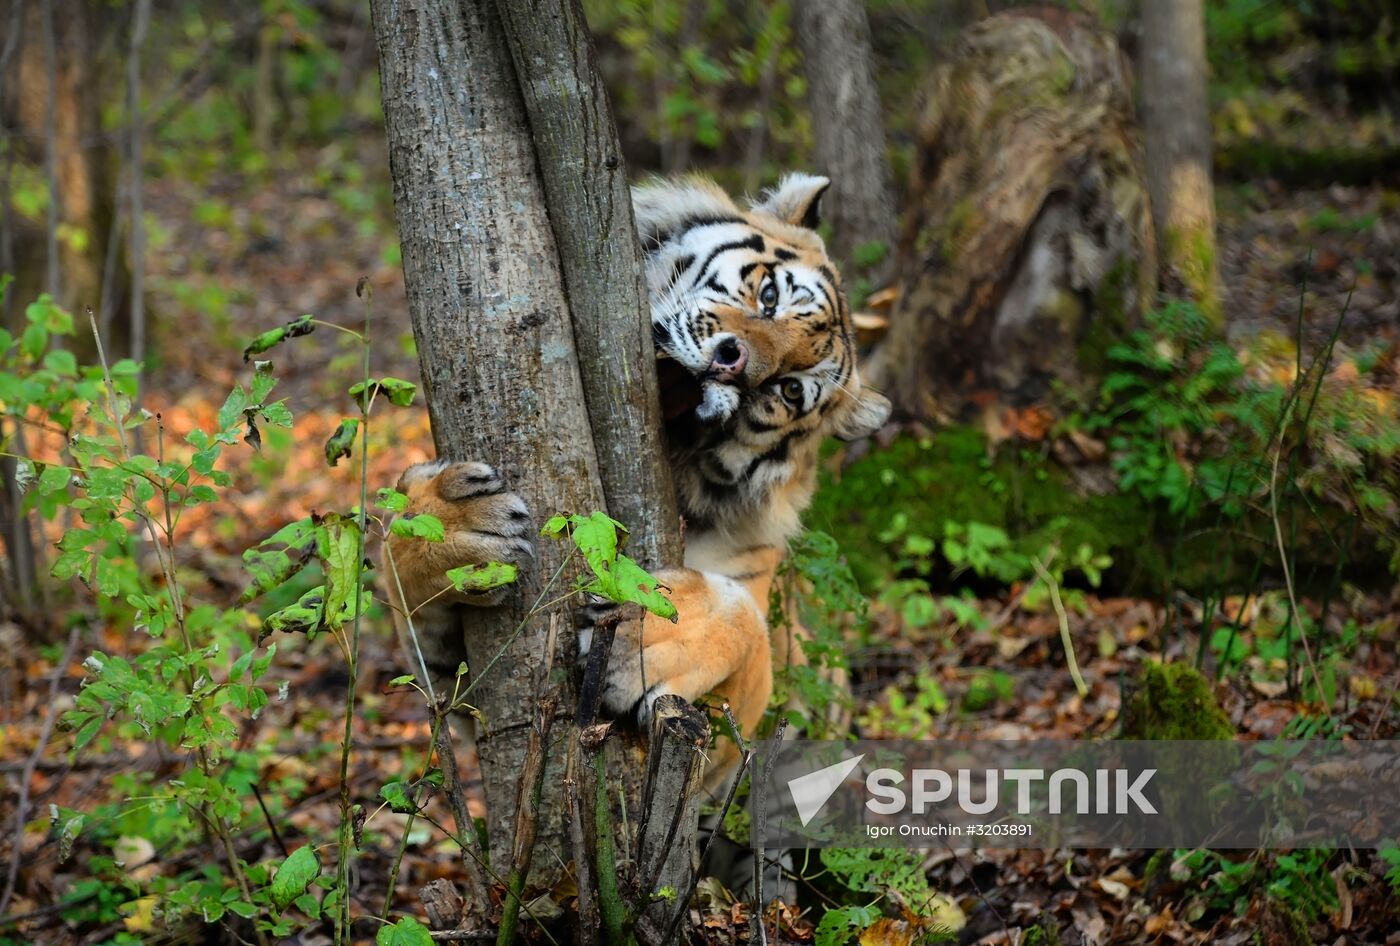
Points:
867	415
796	200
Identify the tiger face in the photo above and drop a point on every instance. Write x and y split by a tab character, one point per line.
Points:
759	361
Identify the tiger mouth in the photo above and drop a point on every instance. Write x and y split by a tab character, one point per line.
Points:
681	389
687	392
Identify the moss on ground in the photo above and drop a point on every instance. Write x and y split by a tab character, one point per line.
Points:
1040	936
1175	702
950	477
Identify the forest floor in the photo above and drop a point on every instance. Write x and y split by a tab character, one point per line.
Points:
233	286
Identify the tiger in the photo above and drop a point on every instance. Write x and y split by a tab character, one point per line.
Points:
757	364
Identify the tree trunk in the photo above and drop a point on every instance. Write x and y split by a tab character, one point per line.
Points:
1027	245
849	135
62	50
590	208
496	348
1176	127
565	405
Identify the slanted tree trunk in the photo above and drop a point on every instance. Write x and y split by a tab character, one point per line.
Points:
1176	127
565	405
1027	245
590	209
848	132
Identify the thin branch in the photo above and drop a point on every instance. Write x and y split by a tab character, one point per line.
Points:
760	826
1065	639
478	890
1288	575
527	815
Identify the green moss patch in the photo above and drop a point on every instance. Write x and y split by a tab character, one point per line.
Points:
1174	702
950	477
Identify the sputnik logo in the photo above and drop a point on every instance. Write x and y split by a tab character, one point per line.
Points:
812	791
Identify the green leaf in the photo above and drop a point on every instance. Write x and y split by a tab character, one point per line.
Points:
46	313
840	924
631	583
303	617
232	411
338	546
263	381
269	570
341	441
53	479
294	876
293	329
277	414
406	932
475	579
421	526
395	793
616	577
67	835
61	361
391	499
397	390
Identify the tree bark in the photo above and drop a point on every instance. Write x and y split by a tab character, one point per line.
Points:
63	52
1027	243
1176	126
847	130
496	348
590	208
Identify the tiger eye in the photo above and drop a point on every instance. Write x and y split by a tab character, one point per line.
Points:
768	294
792	390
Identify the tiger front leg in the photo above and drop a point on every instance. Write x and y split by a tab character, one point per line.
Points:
719	645
482	522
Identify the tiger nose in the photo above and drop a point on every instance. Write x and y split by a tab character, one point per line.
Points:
730	357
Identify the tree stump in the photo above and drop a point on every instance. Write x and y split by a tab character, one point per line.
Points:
1028	245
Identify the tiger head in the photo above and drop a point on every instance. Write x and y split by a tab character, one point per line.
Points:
757	349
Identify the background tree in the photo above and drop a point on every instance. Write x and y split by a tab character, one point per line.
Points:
1176	128
848	132
63	61
1027	245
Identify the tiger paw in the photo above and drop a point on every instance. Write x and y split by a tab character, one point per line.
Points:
644	666
482	522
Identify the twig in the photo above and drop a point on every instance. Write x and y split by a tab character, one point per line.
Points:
1044	575
745	757
457	936
1288	575
526	815
760	826
45	732
271	824
352	670
478	890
